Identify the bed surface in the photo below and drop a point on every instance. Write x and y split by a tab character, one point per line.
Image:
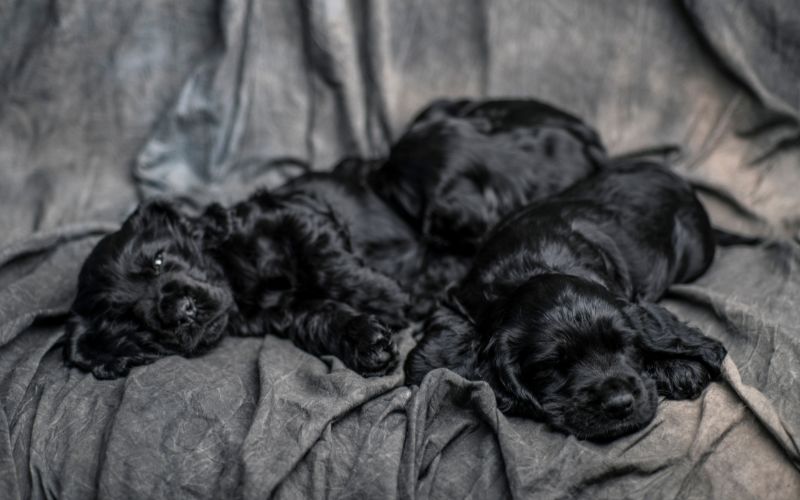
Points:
104	102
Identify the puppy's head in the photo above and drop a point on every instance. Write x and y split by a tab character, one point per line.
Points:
463	165
441	176
144	292
423	159
565	350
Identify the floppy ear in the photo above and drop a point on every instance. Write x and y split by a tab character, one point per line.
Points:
680	358
503	358
501	363
448	341
107	354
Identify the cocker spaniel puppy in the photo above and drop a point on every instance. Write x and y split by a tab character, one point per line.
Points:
463	165
557	311
283	264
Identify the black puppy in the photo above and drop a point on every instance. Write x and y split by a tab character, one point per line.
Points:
463	165
556	313
293	271
167	284
146	291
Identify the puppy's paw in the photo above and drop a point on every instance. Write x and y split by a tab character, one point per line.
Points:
369	347
681	379
117	368
713	354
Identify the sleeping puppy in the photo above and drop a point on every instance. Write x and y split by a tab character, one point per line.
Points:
463	165
169	284
557	311
291	265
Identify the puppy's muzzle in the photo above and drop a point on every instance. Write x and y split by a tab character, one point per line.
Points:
617	397
185	310
180	304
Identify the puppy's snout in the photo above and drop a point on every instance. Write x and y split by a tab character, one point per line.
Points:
616	398
186	310
177	307
619	403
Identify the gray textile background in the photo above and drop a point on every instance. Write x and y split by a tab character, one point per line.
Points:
103	101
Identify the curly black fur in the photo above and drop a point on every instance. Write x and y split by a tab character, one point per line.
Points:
146	291
317	261
556	313
380	236
283	264
463	165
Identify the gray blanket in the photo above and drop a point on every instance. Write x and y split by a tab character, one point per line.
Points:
105	101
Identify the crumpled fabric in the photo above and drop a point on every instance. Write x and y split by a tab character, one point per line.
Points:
104	102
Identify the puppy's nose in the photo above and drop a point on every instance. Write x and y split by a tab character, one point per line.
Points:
185	310
616	398
618	403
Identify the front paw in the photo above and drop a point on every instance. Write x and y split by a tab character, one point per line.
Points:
681	379
117	368
713	354
368	347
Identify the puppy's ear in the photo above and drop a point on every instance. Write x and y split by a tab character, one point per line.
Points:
158	211
215	225
448	341
514	397
106	354
680	358
501	362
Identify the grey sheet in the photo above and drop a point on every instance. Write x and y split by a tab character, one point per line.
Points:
104	101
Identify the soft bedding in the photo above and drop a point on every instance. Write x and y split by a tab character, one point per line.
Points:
105	102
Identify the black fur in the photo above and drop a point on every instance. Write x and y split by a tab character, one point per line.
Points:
463	165
293	272
167	284
146	291
459	168
557	311
379	235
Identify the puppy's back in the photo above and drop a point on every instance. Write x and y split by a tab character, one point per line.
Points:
635	229
658	212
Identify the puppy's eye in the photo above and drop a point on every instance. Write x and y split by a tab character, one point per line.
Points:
158	262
